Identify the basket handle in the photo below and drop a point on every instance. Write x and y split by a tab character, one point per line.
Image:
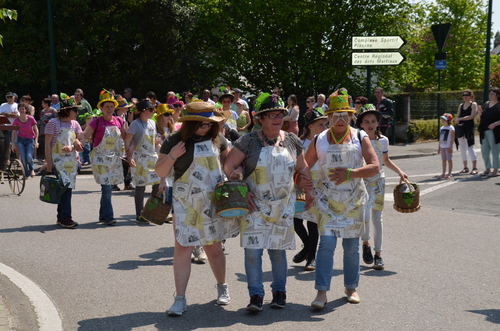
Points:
408	183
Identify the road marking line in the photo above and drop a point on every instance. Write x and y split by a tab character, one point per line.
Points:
390	197
47	314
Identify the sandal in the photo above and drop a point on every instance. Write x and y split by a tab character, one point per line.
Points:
464	171
494	173
474	171
485	173
449	176
442	176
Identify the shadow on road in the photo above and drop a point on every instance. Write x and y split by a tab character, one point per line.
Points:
210	315
161	257
492	315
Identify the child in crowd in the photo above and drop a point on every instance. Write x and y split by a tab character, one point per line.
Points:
446	139
369	121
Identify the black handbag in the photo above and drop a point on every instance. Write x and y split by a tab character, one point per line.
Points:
459	131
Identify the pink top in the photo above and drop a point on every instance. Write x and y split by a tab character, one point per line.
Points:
99	124
26	128
54	125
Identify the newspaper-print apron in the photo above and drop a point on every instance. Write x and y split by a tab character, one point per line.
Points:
106	158
338	209
270	226
196	220
65	163
145	157
376	185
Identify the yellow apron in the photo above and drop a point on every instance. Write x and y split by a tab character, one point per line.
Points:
338	209
270	226
65	163
145	157
196	220
106	158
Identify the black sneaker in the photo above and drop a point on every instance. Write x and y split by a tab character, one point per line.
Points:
115	188
110	222
255	304
279	300
67	223
301	256
367	254
379	263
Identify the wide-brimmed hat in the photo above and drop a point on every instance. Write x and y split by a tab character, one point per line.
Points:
123	103
66	102
313	115
200	111
227	95
105	96
226	114
367	110
339	102
144	104
268	102
164	108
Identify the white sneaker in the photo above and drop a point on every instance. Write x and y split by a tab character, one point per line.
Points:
199	255
179	306
222	294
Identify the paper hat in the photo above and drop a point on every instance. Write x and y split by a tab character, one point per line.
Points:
339	102
200	111
268	102
66	102
313	115
164	108
105	96
366	110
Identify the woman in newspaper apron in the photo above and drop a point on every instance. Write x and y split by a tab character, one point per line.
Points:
197	170
142	155
340	196
62	156
269	166
369	121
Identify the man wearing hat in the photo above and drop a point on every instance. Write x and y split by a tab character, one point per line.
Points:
141	144
108	132
9	108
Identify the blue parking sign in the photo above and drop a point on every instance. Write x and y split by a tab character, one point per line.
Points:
440	65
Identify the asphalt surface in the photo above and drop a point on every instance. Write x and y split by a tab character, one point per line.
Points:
455	288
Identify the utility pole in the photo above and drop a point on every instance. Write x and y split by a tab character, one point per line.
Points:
488	55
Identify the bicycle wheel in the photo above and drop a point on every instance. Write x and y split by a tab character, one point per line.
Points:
17	178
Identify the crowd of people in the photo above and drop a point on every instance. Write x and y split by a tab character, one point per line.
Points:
332	168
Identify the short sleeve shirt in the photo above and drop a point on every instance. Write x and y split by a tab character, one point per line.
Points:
25	129
54	127
99	125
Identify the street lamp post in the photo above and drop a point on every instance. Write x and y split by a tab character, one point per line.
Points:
52	50
488	54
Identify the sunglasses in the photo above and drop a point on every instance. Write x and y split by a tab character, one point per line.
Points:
151	109
9	97
204	125
177	106
466	95
358	103
273	116
167	114
226	101
311	101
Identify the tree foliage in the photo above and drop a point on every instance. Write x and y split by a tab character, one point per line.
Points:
7	13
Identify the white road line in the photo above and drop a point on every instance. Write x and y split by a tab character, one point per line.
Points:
47	314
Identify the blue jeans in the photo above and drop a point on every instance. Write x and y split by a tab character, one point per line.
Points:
26	148
106	210
64	206
86	153
324	262
490	148
253	269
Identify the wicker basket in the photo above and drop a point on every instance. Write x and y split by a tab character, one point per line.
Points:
407	202
156	209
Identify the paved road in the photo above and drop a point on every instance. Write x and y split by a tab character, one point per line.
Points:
442	267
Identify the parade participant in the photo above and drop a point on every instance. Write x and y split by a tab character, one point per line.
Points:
385	107
341	195
464	130
108	132
369	121
178	106
60	147
164	121
291	120
244	119
27	138
226	101
268	160
195	154
315	123
141	144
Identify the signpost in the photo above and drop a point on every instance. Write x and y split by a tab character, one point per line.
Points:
369	44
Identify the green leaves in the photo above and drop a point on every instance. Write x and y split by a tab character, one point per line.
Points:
7	13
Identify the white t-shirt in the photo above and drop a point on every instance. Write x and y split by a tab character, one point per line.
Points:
9	108
445	136
381	147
